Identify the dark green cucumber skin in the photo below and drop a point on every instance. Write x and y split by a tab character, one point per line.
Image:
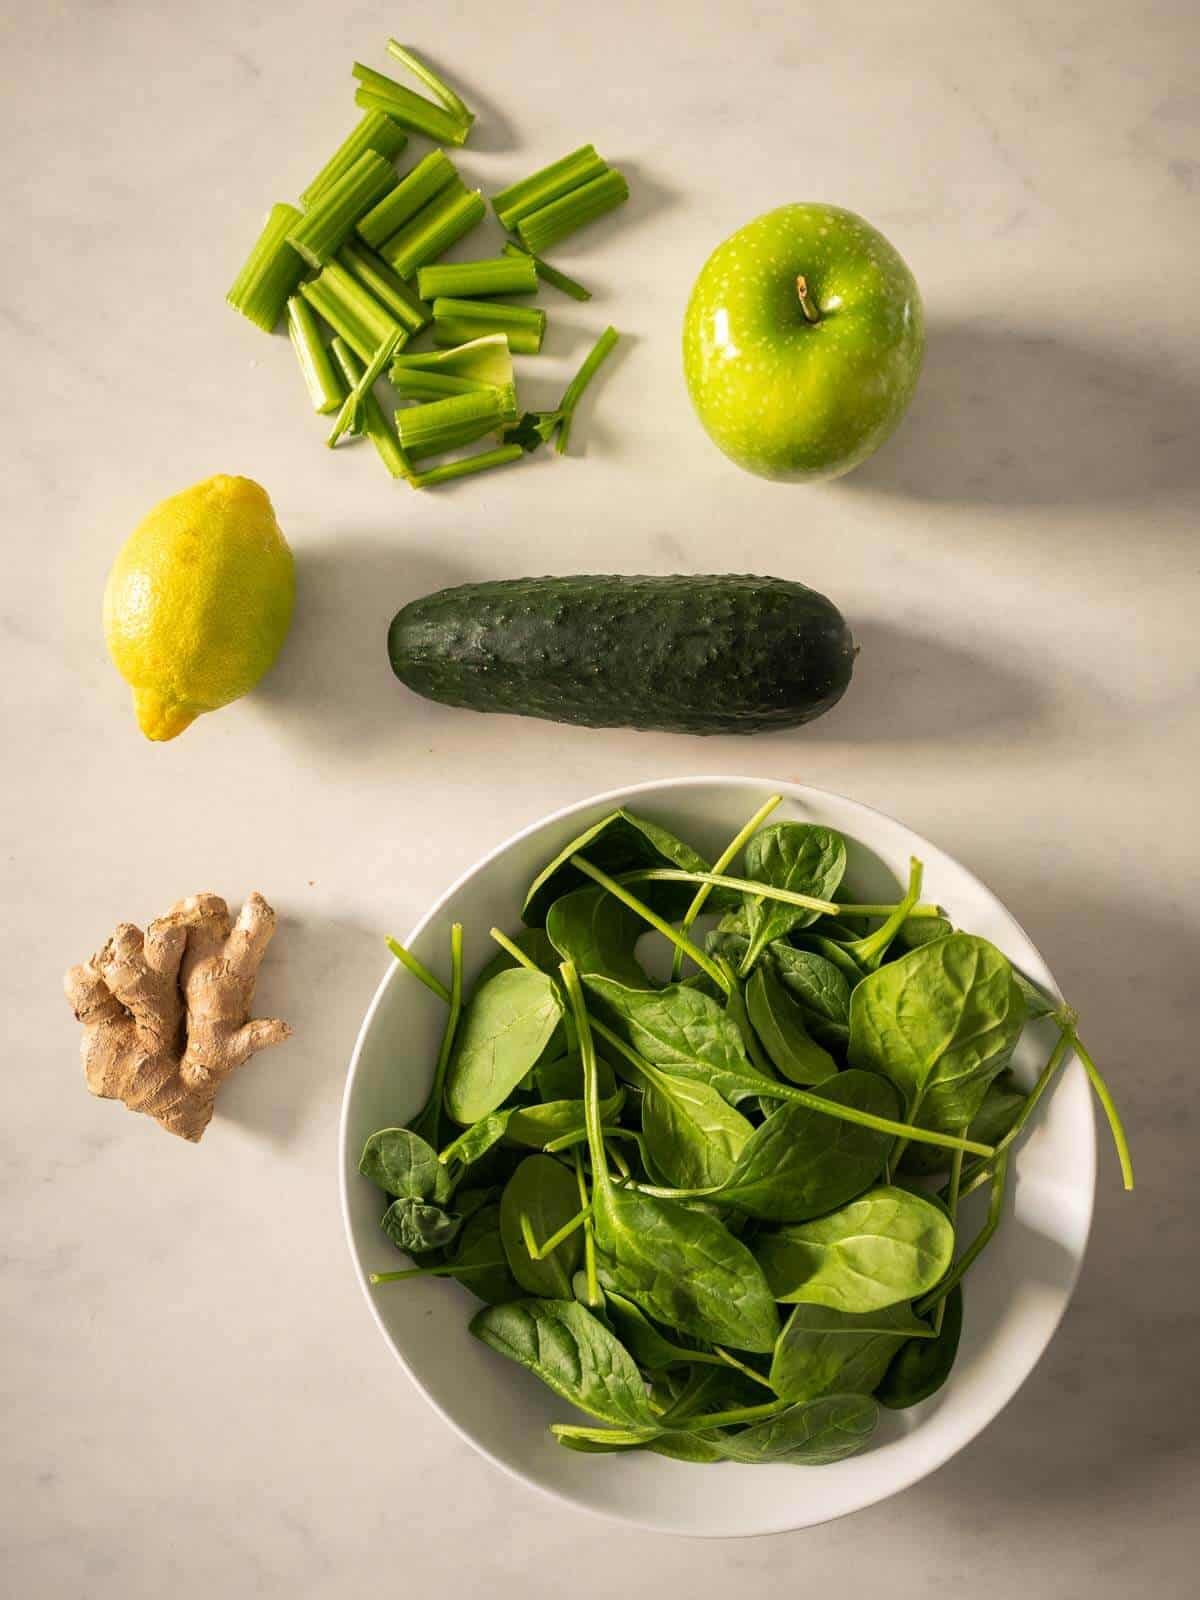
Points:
729	654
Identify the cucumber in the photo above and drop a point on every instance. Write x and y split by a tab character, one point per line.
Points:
728	654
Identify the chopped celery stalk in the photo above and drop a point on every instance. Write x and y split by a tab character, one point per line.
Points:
325	389
271	272
433	230
540	188
487	360
483	462
498	275
544	228
548	274
381	93
430	176
374	131
389	289
456	320
351	410
375	425
428	430
539	427
350	310
574	390
329	221
414	384
442	90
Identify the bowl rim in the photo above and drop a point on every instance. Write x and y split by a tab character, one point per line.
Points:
618	797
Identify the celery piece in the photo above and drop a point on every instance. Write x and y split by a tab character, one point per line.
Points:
325	389
374	131
271	272
329	221
456	320
487	361
574	390
428	430
483	462
375	425
389	289
532	193
442	90
433	230
472	279
539	427
350	310
351	409
546	227
416	384
378	92
430	176
548	274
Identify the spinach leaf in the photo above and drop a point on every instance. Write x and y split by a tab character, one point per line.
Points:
684	1269
693	1136
480	1248
598	933
789	855
800	1164
811	1434
1037	1002
915	931
403	1165
921	1366
573	1353
684	1032
779	1024
889	1245
821	987
822	1351
649	1348
941	1022
416	1225
543	1190
503	1033
537	1125
837	955
617	843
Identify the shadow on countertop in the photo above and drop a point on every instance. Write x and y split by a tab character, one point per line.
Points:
1012	416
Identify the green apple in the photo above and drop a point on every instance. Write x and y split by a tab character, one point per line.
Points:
802	342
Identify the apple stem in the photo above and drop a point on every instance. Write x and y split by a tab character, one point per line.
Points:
810	311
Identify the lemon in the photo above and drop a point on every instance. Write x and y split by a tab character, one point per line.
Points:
198	602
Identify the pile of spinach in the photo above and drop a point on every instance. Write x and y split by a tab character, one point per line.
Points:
720	1215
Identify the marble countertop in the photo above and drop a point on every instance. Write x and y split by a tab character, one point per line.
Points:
195	1401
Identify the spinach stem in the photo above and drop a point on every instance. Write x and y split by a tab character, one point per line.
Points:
452	1270
771	1088
735	1005
741	1366
977	1173
871	949
655	921
589	1235
727	857
429	1121
973	1251
1104	1095
720	880
591	1083
923	908
418	969
956	1166
539	1252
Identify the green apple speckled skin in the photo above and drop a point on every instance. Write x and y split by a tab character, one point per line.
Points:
790	398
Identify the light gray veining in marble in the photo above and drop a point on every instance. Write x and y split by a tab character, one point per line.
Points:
194	1399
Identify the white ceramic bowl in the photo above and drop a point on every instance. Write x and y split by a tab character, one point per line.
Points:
1016	1294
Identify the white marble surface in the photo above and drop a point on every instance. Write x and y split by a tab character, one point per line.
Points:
195	1401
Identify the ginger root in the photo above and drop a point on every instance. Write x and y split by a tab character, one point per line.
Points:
166	1014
